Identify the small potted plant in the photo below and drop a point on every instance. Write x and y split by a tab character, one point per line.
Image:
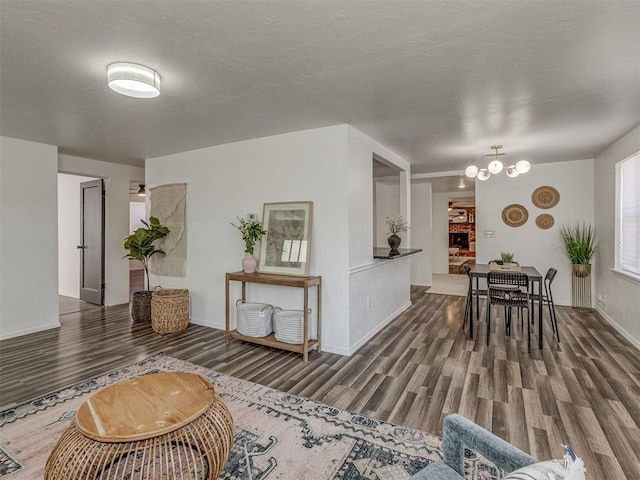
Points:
506	257
395	225
140	245
251	231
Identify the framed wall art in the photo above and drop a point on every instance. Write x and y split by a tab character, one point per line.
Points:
286	247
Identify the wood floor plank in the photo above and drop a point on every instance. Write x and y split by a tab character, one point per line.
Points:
584	390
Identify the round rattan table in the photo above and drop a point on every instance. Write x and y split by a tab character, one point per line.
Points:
168	425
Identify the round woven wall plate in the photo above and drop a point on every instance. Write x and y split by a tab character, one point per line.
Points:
545	197
544	221
515	215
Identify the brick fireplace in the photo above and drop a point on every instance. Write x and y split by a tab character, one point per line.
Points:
463	234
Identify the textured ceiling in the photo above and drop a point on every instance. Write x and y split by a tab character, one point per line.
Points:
436	81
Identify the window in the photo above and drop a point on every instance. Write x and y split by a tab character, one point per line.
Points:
628	216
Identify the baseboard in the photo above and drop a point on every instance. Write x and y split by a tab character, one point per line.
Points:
206	323
354	348
620	330
69	294
27	331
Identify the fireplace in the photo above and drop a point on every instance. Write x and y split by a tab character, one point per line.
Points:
460	240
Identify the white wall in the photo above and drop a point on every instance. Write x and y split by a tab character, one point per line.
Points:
229	181
440	233
387	203
379	293
69	234
532	245
365	322
421	233
330	166
117	178
622	296
28	237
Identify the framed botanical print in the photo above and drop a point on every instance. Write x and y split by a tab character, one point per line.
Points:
286	247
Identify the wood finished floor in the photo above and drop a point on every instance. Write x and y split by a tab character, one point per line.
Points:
418	369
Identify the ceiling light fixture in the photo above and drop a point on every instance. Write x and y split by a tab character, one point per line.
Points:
461	184
133	80
141	191
496	166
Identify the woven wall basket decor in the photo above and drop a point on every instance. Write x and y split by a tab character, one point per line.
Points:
515	215
544	221
545	197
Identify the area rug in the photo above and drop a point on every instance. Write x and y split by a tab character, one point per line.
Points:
276	435
448	284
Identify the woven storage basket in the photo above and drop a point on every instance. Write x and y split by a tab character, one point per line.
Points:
141	306
254	319
289	325
170	310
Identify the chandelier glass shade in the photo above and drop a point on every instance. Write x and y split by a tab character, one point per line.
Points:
496	166
133	80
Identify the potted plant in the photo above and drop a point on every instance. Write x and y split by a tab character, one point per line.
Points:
251	231
140	245
580	243
395	225
506	257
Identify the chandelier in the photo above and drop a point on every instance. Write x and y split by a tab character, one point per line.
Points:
495	166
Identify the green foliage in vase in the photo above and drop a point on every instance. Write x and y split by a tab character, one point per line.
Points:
579	242
506	257
141	243
251	232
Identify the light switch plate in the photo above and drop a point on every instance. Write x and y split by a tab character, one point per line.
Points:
252	217
488	234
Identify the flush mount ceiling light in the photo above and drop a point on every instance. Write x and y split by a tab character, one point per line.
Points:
133	80
495	166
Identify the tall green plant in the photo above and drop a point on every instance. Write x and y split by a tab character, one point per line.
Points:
141	243
580	242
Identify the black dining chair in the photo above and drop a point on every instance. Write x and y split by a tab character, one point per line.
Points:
509	290
547	297
471	292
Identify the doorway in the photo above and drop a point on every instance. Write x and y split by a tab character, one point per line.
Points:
461	211
69	234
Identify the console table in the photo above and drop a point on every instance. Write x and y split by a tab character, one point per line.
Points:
284	281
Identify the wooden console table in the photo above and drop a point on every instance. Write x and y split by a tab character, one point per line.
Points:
283	281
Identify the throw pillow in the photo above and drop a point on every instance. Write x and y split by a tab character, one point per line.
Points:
570	467
539	471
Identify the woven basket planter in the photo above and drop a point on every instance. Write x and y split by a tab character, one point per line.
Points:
141	306
289	325
170	310
254	319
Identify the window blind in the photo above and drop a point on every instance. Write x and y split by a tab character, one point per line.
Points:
629	251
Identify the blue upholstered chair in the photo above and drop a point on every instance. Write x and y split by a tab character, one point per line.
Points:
458	433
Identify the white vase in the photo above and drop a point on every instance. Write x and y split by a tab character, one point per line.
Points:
249	263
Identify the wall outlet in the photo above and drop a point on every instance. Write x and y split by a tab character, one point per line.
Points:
368	303
601	299
488	233
252	217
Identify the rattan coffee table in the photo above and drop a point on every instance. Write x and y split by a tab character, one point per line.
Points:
168	425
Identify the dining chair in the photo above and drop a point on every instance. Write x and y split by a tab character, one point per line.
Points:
509	290
471	292
547	297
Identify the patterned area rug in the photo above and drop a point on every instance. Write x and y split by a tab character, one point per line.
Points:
276	435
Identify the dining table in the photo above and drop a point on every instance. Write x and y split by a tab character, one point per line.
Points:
481	270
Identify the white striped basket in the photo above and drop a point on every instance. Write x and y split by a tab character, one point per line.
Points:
254	319
289	325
